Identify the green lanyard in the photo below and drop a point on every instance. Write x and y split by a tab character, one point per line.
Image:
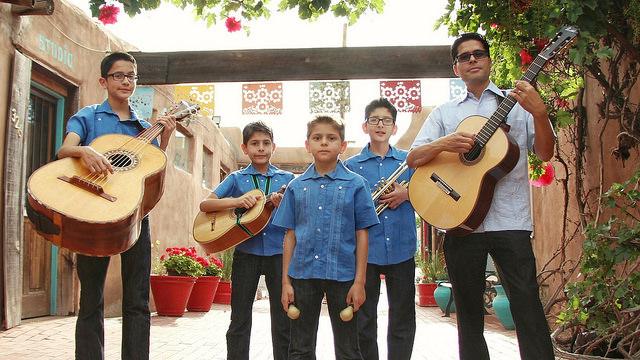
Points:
257	185
239	214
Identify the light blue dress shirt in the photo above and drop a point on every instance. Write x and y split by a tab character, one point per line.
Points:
99	119
269	241
394	240
325	212
510	208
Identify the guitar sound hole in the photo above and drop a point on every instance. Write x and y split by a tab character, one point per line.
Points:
121	160
474	155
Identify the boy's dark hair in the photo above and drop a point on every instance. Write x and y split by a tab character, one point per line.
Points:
110	59
466	37
323	119
380	103
254	127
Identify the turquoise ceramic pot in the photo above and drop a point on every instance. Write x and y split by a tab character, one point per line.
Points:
502	308
442	295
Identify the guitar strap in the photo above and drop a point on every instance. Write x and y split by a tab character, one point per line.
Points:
256	184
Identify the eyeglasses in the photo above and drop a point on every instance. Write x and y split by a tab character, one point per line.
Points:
374	120
477	54
120	77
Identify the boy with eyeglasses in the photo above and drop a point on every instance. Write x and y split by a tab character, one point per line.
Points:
506	230
392	243
113	116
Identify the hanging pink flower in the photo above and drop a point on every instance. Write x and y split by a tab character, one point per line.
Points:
233	24
109	13
546	178
525	57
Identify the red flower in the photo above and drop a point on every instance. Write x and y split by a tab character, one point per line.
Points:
546	178
525	57
494	26
562	103
233	24
109	14
540	43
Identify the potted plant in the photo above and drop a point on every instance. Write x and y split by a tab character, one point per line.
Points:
171	291
432	270
223	293
206	285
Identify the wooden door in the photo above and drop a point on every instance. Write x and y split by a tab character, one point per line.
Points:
40	132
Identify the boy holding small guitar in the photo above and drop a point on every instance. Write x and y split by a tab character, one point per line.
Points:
262	253
505	232
113	116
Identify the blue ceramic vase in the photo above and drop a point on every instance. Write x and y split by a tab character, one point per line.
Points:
442	295
502	308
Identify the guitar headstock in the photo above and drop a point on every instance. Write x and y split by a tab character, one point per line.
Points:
183	111
561	41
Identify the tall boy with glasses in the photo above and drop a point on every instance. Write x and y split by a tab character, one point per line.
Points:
506	230
113	116
392	243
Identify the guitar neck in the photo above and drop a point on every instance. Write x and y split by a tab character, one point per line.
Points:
500	115
151	133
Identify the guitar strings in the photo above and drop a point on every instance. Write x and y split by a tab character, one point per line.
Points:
143	139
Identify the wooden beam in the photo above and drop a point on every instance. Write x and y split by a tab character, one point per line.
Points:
390	62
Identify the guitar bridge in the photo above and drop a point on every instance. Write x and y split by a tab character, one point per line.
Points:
88	186
446	188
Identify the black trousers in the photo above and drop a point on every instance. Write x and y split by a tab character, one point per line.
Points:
466	259
247	269
136	323
401	331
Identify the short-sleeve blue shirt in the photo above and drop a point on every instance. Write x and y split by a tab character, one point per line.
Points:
325	212
394	240
99	119
269	241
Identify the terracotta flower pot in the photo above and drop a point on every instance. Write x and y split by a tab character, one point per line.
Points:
425	294
223	293
171	293
202	294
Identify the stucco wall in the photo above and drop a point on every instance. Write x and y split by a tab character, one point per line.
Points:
548	202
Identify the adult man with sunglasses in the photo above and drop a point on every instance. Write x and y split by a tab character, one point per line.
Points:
506	230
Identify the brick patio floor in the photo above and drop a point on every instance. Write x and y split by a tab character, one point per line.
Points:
202	336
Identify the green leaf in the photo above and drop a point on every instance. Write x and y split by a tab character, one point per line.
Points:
564	119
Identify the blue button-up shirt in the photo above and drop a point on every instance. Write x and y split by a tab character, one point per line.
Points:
510	205
325	212
99	119
269	241
394	240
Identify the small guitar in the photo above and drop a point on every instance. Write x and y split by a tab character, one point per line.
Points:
100	215
220	230
453	191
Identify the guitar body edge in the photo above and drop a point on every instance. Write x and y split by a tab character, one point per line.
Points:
109	235
475	183
91	239
488	185
236	235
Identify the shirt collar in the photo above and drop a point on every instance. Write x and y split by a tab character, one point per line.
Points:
493	88
366	153
250	170
339	173
106	108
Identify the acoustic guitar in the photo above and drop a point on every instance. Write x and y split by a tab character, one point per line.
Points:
453	192
220	230
100	215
